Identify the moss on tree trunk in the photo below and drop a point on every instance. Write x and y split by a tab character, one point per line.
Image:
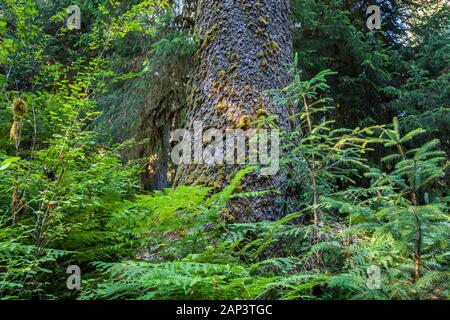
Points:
245	49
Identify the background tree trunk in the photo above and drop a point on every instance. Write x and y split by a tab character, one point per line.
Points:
245	50
164	100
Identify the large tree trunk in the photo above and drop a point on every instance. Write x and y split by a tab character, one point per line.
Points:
246	49
164	101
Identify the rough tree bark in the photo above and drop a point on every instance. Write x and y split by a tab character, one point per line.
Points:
158	117
245	50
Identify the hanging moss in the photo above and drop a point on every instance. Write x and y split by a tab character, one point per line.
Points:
209	36
221	106
228	217
274	45
263	22
234	56
14	132
221	174
244	123
203	74
19	109
222	74
261	113
264	64
214	185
